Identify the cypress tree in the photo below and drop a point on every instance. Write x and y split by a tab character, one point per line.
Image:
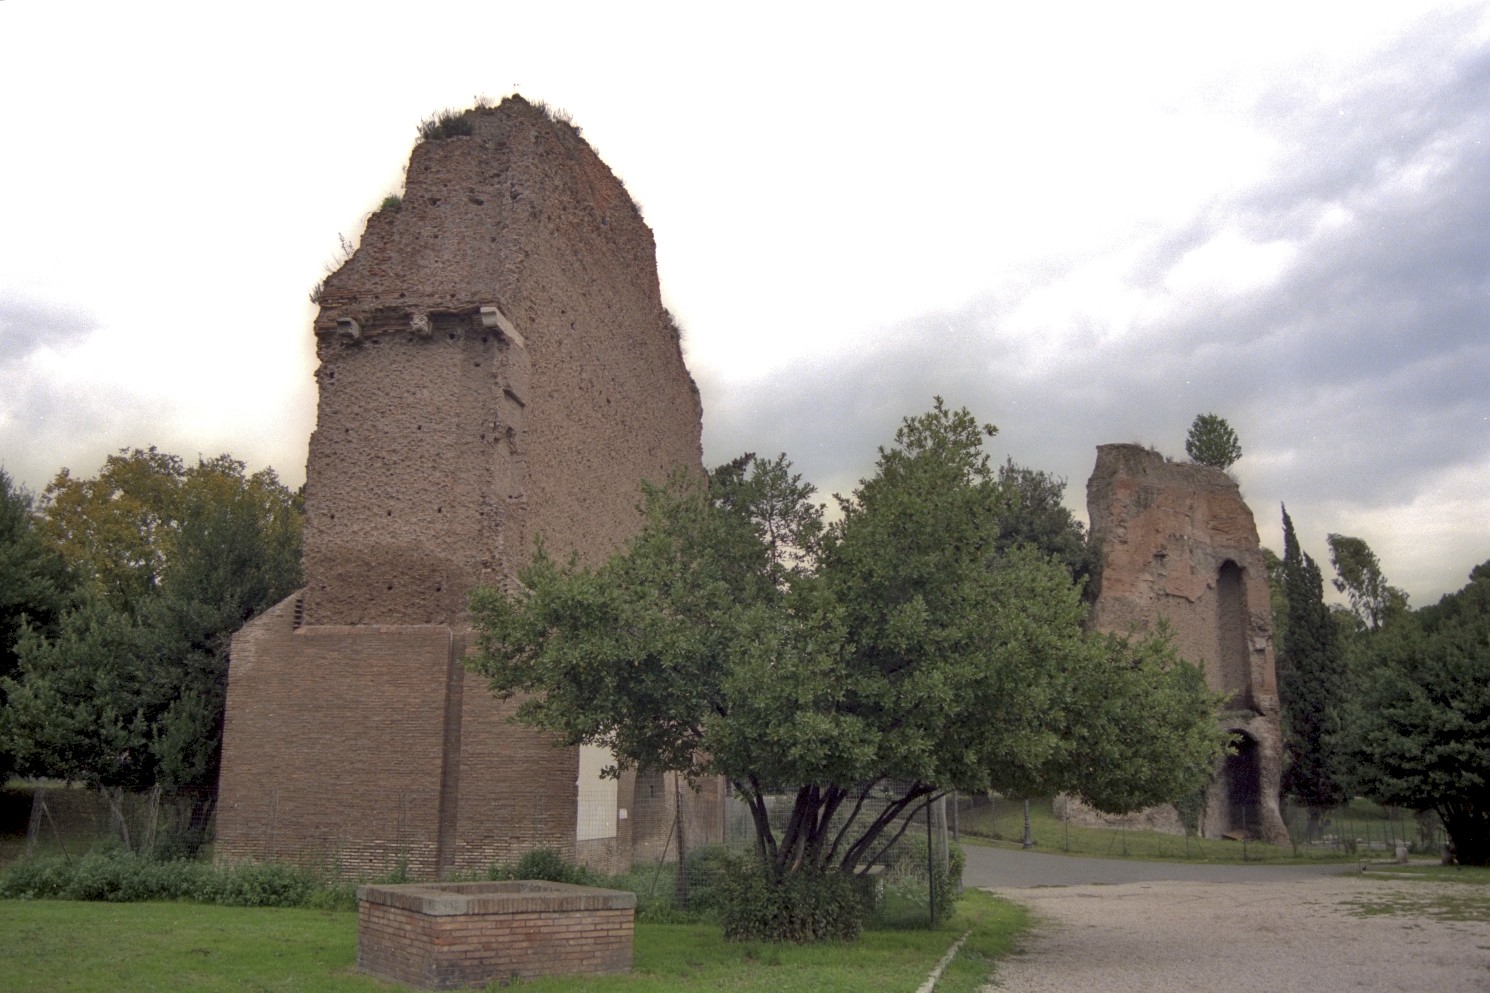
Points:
1311	686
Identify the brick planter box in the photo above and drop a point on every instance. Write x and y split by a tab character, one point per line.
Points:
443	936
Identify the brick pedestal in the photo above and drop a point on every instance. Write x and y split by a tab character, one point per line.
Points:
443	936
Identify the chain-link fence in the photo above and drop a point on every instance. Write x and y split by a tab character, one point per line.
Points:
1356	828
71	821
680	847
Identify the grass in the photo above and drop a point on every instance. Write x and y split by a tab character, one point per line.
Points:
76	947
87	947
1467	901
1004	827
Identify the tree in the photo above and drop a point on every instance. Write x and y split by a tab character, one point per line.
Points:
1034	515
128	689
1212	442
35	584
1421	736
863	668
1358	575
1312	685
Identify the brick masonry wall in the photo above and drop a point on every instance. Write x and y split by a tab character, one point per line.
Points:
446	444
342	750
1179	544
441	454
332	744
495	940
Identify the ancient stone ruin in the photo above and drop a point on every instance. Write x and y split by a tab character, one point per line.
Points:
1178	544
495	366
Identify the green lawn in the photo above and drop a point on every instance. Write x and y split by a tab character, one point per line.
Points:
114	948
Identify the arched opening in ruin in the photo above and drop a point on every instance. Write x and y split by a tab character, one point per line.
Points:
1241	776
1231	633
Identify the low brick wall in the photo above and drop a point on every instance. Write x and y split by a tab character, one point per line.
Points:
443	936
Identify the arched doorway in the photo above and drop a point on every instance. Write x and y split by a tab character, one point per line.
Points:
1242	779
1232	651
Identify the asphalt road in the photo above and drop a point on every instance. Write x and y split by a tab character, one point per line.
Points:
1006	868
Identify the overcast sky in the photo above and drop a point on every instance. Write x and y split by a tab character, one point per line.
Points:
1087	223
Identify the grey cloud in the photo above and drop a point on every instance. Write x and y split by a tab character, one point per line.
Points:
1362	373
26	327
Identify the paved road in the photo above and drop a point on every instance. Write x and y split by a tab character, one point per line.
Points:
1006	868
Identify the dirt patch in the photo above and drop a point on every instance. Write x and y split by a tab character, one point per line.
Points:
1321	935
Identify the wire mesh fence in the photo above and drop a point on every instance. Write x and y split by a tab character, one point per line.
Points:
679	854
911	874
1358	828
70	820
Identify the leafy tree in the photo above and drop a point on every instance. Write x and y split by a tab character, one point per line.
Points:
862	668
34	583
1421	737
1312	685
1358	575
81	704
128	690
1034	515
1212	442
115	528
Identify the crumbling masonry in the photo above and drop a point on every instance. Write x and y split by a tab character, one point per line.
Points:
495	366
1178	544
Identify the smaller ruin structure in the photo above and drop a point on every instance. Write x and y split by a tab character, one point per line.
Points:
1178	544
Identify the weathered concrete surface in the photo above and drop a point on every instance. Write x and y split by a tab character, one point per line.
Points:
1199	937
1179	546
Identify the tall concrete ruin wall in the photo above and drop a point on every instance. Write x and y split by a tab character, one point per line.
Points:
1179	544
495	366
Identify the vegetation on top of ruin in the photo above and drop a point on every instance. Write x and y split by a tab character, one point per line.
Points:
452	123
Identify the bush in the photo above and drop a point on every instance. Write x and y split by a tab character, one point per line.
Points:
707	868
545	864
122	877
801	906
446	124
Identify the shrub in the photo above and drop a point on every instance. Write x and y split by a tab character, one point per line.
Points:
258	884
122	877
805	905
446	124
707	869
545	864
392	202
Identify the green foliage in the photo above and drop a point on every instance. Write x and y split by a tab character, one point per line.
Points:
910	642
391	202
1420	737
186	948
913	874
1358	575
1212	442
127	688
761	903
447	124
1035	516
1312	684
119	876
35	585
546	864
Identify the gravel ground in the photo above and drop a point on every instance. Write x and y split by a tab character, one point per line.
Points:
1260	937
